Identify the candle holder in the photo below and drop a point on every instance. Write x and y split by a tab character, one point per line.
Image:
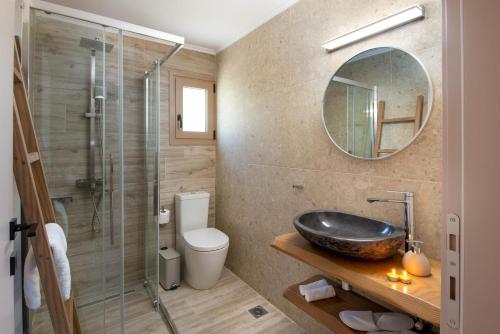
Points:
405	278
392	276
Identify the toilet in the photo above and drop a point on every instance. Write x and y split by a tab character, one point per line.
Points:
203	249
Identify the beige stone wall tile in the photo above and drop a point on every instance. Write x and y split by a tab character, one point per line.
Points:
270	136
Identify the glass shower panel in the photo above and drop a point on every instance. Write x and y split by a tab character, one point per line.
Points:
74	85
361	120
152	131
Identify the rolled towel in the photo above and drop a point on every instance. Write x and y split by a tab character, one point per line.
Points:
322	292
58	245
304	287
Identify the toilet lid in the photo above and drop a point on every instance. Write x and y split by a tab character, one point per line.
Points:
206	239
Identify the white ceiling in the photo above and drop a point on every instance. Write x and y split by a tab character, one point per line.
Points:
213	24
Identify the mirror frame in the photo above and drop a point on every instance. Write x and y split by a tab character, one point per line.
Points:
430	104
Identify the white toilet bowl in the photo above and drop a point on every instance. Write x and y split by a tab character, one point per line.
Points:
205	252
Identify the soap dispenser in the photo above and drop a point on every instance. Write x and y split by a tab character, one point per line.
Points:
415	262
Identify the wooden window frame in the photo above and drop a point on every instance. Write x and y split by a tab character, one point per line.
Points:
179	79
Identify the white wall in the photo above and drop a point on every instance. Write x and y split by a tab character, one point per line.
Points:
6	174
472	163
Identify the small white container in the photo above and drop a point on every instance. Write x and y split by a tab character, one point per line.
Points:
415	262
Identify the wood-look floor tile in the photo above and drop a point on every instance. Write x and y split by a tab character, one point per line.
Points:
224	309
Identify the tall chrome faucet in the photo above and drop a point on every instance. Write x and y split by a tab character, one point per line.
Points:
409	221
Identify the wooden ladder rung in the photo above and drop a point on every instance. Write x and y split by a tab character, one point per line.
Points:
18	77
386	150
33	157
399	119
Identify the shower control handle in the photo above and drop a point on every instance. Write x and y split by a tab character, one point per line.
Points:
179	120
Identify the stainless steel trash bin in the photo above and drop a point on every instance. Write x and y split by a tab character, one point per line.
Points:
170	268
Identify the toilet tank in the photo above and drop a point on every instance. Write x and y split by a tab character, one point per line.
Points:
191	211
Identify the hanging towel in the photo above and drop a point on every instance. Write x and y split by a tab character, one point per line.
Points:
323	292
56	236
317	284
31	282
59	246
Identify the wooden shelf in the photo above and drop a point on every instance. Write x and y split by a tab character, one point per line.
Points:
422	298
327	311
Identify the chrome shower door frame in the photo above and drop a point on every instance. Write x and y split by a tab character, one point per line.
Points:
151	235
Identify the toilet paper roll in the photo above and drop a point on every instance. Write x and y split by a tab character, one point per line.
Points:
164	216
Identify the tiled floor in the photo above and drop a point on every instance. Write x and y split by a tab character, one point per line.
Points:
140	317
224	309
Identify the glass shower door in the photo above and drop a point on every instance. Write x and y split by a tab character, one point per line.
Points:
361	120
152	133
74	80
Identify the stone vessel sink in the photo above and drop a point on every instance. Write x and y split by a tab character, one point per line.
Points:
350	235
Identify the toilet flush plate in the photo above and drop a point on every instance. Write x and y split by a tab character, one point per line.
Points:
257	311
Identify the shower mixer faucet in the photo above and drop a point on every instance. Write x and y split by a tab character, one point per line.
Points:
409	221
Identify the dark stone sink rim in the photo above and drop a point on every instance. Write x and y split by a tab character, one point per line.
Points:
397	233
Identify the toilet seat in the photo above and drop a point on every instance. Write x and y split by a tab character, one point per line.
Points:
206	239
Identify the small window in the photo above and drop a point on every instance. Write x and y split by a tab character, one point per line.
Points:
192	110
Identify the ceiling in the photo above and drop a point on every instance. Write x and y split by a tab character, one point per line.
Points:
213	24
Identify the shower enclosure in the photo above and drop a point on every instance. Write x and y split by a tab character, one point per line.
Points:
97	119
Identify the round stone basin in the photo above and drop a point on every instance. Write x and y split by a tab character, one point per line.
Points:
350	235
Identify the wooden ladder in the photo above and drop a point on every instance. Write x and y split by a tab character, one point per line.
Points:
417	119
37	207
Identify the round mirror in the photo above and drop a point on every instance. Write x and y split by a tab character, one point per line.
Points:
377	102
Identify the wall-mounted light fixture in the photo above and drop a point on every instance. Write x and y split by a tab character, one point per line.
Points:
389	22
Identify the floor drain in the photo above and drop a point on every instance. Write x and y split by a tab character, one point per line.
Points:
257	311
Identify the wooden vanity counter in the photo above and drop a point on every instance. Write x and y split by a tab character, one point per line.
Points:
422	298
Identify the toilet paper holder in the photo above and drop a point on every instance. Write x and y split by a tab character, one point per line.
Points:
164	217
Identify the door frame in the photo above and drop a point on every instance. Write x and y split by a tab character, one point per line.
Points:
7	15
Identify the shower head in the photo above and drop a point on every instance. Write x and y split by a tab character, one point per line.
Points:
93	44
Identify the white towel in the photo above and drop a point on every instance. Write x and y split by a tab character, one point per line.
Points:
56	235
58	245
31	282
322	292
304	287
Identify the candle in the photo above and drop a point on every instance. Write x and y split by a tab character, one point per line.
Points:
405	278
392	276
